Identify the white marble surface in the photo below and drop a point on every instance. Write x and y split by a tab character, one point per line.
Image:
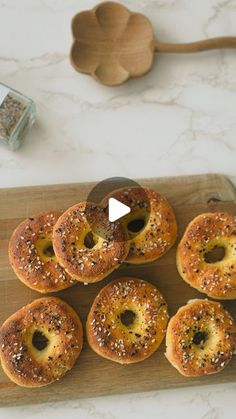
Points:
180	119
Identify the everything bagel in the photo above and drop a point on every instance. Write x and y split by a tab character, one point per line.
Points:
32	256
153	215
206	233
87	245
40	342
200	338
127	321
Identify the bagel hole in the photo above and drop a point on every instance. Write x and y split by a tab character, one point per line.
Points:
199	338
89	241
127	317
136	225
49	251
39	340
215	255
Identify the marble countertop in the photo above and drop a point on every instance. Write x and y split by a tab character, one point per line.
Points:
179	119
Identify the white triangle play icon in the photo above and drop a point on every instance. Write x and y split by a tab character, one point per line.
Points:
116	209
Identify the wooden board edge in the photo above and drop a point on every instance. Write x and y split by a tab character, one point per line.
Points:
17	402
163	179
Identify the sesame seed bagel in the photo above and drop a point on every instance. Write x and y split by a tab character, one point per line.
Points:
32	256
127	321
205	234
106	250
156	218
200	338
40	342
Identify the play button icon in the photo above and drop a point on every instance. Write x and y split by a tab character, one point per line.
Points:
120	205
117	210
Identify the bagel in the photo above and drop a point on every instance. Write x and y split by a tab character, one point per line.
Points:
208	233
105	250
200	338
127	321
150	226
32	256
40	342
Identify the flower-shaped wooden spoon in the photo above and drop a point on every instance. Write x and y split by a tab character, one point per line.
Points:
112	44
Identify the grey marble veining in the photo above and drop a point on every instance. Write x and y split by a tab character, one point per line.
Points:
179	119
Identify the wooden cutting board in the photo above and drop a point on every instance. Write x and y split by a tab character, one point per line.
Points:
92	375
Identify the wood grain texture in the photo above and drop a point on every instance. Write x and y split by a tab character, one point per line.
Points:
92	375
198	46
113	44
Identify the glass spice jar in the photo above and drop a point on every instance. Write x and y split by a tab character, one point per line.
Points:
17	115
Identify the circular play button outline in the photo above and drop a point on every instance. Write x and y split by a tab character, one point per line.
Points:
115	195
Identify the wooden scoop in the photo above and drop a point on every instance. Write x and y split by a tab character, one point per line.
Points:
112	44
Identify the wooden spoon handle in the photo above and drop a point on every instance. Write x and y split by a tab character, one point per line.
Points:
204	45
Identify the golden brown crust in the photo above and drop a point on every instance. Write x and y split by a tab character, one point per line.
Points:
200	338
205	232
84	264
160	232
36	270
110	338
21	361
